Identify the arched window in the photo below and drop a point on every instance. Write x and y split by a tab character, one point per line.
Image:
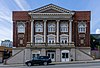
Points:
39	27
21	27
51	27
64	27
81	27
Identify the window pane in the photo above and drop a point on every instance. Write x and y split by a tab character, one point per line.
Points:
39	27
52	56
39	40
21	27
63	55
66	55
64	40
81	27
51	40
51	27
49	55
37	55
33	55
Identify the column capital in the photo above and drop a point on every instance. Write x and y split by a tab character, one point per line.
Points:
71	20
57	20
44	20
31	20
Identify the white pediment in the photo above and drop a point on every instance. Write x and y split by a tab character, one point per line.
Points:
38	35
51	8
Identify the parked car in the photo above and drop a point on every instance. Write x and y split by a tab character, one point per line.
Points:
45	60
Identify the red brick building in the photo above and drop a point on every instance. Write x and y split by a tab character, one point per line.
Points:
52	30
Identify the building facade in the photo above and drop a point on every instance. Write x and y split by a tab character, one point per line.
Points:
7	43
53	31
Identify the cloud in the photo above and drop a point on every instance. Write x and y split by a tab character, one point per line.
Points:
5	12
22	4
97	31
5	21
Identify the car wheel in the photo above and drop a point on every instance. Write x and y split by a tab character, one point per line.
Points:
29	64
45	63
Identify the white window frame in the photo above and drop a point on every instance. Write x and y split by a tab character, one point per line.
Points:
21	27
37	37
39	26
49	38
40	40
62	38
64	27
81	27
51	27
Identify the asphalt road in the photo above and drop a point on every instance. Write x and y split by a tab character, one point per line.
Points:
83	65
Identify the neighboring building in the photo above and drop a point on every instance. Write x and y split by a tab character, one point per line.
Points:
95	45
5	52
95	41
7	43
61	34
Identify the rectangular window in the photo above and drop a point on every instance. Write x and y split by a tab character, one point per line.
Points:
51	29
64	40
81	30
64	29
51	40
38	40
82	27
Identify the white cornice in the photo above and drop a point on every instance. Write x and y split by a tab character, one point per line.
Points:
30	13
51	15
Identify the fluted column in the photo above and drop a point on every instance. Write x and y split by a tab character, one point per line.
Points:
70	31
32	30
57	31
44	31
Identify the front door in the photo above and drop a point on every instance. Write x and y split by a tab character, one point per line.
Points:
65	56
51	55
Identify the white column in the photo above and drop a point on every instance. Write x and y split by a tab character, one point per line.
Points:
44	31
70	31
57	31
32	31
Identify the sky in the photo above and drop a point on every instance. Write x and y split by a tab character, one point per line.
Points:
7	6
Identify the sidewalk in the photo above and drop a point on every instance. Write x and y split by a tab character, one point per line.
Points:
53	63
77	62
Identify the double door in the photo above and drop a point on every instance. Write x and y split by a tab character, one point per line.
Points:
65	56
51	55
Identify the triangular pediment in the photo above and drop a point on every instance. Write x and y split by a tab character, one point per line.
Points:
51	8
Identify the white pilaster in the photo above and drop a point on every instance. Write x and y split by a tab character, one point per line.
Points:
57	31
70	31
32	31
44	31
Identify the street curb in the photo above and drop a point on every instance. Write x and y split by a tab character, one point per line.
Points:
53	63
75	62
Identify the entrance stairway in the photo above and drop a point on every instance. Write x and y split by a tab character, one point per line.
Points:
17	58
82	56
